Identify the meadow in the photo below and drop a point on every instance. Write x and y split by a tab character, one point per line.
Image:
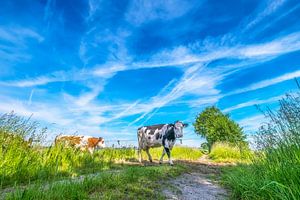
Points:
31	169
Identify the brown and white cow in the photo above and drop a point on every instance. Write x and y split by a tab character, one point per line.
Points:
82	142
159	135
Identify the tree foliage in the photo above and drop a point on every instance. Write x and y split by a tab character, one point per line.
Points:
216	126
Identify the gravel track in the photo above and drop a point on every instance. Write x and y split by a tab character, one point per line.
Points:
198	184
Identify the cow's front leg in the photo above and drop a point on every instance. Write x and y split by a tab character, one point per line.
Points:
91	150
162	156
140	155
169	155
149	156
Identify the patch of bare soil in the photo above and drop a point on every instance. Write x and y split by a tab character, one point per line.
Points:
198	184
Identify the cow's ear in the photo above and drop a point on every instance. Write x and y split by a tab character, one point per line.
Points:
185	125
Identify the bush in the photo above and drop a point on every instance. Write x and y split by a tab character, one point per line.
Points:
226	152
274	173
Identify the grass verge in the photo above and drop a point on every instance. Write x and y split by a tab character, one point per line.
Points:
130	183
178	153
228	153
274	172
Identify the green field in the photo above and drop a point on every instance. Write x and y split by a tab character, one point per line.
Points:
57	172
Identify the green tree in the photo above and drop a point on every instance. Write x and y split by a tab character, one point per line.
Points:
216	126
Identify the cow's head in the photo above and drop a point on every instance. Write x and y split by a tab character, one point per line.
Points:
101	143
178	128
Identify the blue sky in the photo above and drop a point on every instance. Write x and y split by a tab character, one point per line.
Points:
105	68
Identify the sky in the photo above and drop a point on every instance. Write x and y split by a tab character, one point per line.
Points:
105	68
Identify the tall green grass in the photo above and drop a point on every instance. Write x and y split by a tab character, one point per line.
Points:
275	171
229	153
177	153
23	162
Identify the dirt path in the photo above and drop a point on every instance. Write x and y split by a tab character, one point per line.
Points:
199	184
194	186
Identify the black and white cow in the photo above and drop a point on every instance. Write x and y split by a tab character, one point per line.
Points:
159	135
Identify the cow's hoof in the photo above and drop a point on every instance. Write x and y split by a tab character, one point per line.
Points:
160	162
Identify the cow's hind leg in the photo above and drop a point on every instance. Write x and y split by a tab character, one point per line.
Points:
169	155
149	156
162	156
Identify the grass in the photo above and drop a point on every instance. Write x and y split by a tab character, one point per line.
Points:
130	183
274	171
228	153
178	153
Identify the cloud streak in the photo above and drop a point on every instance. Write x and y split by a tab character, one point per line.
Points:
266	83
252	103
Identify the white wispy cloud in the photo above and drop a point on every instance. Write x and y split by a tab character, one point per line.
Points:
30	97
214	50
180	56
87	97
266	83
251	124
252	103
64	76
183	86
108	70
48	12
58	76
269	8
275	20
141	11
18	35
278	46
14	41
40	111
